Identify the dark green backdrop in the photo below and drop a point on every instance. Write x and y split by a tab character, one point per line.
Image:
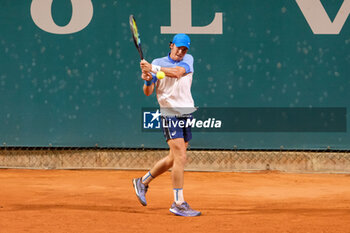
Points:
84	88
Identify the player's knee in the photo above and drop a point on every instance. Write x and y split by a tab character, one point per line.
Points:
181	157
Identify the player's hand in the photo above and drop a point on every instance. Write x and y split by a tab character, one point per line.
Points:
145	66
146	76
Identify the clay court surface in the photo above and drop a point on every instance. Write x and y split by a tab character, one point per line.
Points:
104	201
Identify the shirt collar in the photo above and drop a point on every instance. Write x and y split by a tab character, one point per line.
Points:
171	60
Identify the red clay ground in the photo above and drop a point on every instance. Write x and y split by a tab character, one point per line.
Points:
104	201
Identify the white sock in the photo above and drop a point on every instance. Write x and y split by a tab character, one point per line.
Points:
178	196
146	179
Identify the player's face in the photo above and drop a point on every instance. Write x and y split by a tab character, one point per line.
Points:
177	53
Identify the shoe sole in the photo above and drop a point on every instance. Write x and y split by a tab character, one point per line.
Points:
137	193
179	214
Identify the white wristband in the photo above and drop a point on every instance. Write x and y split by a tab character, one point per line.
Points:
155	68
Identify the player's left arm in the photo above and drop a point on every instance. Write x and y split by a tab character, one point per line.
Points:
184	67
175	72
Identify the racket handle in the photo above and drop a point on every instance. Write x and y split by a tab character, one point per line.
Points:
140	52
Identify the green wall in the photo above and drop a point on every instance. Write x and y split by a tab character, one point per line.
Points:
84	88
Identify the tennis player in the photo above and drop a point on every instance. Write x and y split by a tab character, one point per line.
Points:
176	104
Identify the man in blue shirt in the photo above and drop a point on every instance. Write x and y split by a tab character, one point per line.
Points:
176	103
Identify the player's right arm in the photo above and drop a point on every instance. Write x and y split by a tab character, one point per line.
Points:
148	87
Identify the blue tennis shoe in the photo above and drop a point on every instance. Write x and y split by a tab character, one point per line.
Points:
184	210
140	190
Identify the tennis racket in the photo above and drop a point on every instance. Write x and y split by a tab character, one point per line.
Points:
135	35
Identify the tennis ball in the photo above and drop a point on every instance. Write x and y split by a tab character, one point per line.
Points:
160	75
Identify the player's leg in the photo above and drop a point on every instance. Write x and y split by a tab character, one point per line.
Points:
160	167
166	163
179	148
141	184
180	206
